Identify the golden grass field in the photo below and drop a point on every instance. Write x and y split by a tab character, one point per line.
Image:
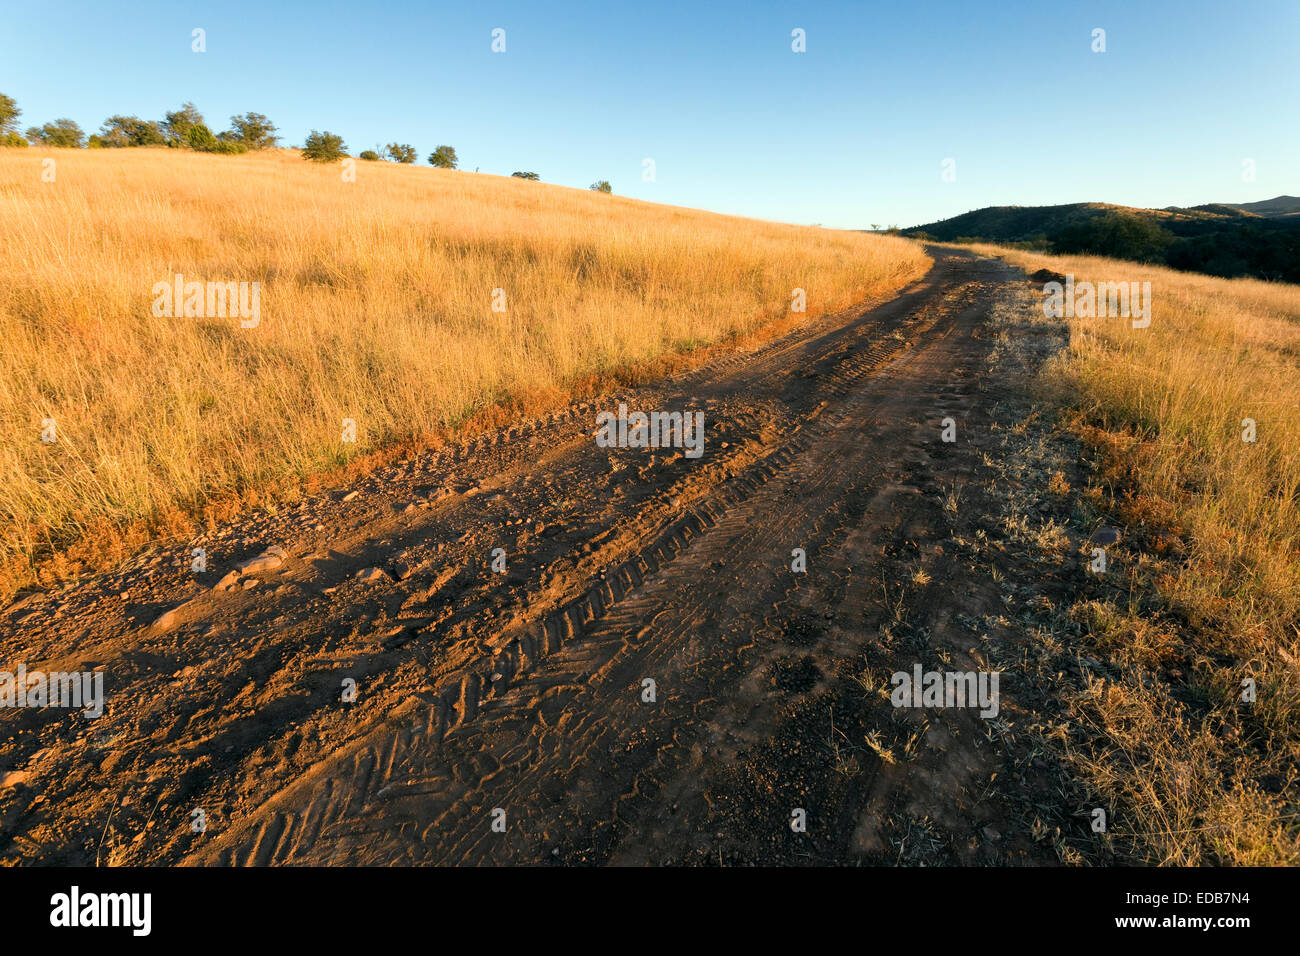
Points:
1212	596
376	305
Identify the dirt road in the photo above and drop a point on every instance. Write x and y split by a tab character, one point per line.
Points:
505	716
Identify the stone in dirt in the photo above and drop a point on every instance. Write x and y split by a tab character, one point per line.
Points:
170	619
268	560
227	582
13	778
372	575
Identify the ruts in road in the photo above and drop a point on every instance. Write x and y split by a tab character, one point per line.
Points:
536	649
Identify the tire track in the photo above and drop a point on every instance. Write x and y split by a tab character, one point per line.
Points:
479	689
586	643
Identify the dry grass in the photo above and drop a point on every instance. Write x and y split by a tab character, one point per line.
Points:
376	305
1208	591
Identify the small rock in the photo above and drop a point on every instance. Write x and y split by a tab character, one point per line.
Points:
372	575
251	583
268	560
227	582
169	620
13	778
111	761
350	495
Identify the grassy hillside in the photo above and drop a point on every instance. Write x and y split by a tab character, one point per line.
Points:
376	305
1205	590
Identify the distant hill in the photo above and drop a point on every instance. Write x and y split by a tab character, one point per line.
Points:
1025	223
1259	239
1273	208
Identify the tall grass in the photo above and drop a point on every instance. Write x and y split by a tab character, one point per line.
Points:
376	305
1211	596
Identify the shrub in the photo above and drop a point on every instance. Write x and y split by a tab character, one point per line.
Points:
62	133
177	125
254	130
324	147
368	154
444	157
533	176
121	131
602	186
403	152
201	140
9	113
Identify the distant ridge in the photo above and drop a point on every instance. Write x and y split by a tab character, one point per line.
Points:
1272	208
1260	239
1027	223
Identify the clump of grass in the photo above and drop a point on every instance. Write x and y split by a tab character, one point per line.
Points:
952	500
879	747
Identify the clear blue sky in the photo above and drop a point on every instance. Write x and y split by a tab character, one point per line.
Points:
850	133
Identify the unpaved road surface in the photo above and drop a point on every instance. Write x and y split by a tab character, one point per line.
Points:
505	717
